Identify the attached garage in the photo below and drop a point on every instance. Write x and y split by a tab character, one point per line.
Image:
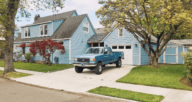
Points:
127	50
121	40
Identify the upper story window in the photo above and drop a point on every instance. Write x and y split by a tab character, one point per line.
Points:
86	27
27	32
43	30
120	32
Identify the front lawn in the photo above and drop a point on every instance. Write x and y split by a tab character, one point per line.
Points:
14	74
137	96
38	67
168	76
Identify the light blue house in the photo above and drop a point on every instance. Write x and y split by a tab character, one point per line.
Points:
69	28
76	33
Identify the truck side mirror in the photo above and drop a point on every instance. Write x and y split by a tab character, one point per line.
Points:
105	51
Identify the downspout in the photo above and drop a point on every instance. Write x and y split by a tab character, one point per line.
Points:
69	51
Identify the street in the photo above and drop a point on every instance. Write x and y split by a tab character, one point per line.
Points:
12	91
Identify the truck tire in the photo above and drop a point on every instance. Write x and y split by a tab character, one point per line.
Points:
99	68
78	69
118	63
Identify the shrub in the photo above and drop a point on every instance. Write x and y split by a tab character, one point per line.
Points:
28	56
18	54
188	63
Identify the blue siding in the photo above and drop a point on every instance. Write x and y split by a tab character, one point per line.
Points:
127	38
144	57
63	58
161	58
56	25
79	39
180	59
74	14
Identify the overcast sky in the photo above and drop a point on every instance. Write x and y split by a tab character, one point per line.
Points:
81	6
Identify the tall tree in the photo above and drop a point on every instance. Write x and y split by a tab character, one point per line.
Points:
146	18
8	11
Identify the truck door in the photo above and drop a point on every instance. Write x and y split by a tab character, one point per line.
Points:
110	55
106	56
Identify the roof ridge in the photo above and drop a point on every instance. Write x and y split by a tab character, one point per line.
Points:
59	14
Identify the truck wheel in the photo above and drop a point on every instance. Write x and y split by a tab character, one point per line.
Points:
78	69
99	68
118	63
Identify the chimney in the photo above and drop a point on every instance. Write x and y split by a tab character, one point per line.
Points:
36	17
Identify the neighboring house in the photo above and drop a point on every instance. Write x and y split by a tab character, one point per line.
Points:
134	54
69	28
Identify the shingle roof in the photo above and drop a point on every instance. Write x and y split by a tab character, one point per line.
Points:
99	36
65	30
182	42
54	17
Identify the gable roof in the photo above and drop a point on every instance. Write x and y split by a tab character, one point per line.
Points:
54	17
65	30
99	36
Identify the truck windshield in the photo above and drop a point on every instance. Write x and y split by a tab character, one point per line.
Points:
94	51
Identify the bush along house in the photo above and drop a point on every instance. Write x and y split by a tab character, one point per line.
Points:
77	33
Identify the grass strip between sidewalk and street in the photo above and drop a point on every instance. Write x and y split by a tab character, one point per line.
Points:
126	94
168	76
14	74
38	67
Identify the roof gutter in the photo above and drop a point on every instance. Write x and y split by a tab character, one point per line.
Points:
41	40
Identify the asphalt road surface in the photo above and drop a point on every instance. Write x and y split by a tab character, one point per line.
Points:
11	91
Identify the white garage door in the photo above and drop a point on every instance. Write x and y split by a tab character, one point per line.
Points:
127	49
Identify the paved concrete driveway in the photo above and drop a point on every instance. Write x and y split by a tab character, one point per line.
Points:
69	80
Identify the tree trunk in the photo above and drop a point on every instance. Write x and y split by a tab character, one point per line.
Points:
8	50
154	61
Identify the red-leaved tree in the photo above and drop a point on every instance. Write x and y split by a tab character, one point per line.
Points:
45	48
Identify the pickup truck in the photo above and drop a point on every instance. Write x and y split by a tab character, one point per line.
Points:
95	58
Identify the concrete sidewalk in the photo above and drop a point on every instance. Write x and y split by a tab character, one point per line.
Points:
71	81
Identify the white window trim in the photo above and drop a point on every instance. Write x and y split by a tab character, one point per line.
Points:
15	47
119	33
87	27
43	30
27	32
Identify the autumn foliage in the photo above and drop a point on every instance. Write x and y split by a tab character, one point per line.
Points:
45	48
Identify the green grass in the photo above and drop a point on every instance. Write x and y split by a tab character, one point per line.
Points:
38	67
168	76
137	96
14	74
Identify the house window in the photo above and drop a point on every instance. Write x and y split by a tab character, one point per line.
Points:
121	47
114	47
23	50
128	47
43	30
120	32
27	32
86	27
